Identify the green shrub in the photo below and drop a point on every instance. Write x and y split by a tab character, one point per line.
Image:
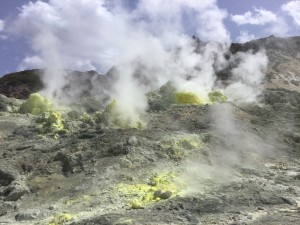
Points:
36	104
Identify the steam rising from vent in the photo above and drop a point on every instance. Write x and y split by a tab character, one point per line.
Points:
234	147
149	43
248	76
142	47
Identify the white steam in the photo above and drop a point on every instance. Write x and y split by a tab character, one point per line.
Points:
248	77
96	35
292	8
245	37
233	148
148	42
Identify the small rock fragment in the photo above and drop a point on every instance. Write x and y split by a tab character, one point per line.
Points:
165	195
118	149
289	201
29	214
7	175
3	211
157	193
270	165
15	191
162	195
132	141
270	198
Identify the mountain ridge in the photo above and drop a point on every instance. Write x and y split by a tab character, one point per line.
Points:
18	86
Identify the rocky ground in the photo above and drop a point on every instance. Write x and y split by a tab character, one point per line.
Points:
211	164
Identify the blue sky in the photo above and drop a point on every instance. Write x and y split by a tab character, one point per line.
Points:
244	20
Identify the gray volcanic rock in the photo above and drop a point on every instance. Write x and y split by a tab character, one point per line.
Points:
283	53
208	164
8	104
7	175
77	84
21	84
15	191
29	214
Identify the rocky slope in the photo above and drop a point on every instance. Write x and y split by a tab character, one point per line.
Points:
21	84
210	164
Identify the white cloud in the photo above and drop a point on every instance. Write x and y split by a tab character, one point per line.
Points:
3	37
271	23
245	37
280	28
292	8
1	25
32	62
258	17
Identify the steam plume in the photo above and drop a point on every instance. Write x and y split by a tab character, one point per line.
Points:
149	44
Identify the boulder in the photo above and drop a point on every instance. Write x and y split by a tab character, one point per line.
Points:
7	175
15	191
29	214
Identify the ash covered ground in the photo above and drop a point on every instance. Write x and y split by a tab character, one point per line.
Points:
222	162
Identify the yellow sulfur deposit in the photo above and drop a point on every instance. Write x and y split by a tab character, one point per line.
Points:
36	104
188	98
158	188
51	122
84	199
61	219
113	116
86	118
189	142
179	147
217	97
111	106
